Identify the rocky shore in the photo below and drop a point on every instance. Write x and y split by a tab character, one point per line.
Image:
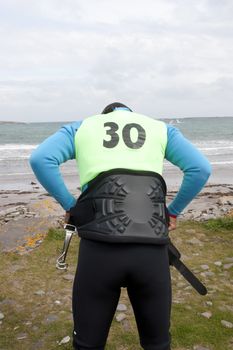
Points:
26	216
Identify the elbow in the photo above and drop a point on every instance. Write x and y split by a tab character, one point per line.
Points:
205	172
34	160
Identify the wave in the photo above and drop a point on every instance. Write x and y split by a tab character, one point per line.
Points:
14	146
222	162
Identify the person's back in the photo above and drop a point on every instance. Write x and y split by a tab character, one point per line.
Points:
121	216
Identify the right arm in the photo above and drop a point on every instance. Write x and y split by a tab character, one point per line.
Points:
47	158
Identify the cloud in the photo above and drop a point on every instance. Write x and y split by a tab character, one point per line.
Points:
161	57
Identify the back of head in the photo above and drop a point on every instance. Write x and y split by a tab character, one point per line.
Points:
115	105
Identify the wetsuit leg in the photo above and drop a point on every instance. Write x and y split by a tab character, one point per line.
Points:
102	269
149	291
96	293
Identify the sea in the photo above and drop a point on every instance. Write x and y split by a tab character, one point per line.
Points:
213	137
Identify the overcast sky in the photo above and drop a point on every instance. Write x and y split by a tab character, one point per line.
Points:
67	59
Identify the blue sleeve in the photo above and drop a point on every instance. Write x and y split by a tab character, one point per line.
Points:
48	156
195	166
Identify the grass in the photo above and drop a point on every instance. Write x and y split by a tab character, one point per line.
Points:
41	322
225	223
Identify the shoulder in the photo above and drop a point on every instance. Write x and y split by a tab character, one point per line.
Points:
72	127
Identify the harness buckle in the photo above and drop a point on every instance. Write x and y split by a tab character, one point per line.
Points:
69	231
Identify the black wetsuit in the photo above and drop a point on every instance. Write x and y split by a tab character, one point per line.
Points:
103	268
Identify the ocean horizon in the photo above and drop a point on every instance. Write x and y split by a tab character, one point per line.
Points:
212	135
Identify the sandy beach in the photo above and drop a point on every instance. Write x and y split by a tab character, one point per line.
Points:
26	210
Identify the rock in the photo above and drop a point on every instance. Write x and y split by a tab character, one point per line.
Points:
227	266
68	277
120	317
57	302
209	303
65	340
226	308
121	307
218	263
229	260
200	347
126	325
225	200
190	231
194	241
22	336
205	267
50	319
207	314
207	274
1	316
38	345
40	292
227	324
180	284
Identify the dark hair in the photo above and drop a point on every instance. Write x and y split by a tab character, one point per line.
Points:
110	108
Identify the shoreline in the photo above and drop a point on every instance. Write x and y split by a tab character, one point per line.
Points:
27	211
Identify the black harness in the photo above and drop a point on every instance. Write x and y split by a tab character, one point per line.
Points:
123	206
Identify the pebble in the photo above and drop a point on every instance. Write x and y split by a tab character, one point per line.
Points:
227	324
40	292
50	319
228	266
121	307
207	314
22	336
1	316
57	302
200	347
194	241
181	285
229	260
120	317
205	267
65	340
209	303
225	200
218	263
207	274
190	231
68	277
126	325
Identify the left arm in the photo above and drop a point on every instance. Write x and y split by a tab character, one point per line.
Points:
194	165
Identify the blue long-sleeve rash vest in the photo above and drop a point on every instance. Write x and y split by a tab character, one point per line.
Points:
59	148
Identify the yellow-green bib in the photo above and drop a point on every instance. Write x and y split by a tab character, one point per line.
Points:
121	139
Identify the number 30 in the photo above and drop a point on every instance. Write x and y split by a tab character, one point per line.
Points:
112	131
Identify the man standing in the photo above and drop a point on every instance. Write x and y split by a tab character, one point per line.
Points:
121	216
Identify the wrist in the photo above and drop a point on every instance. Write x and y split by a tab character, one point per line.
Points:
173	216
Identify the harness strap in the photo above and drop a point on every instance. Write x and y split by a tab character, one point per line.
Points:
174	260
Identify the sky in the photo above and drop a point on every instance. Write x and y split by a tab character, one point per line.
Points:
66	60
